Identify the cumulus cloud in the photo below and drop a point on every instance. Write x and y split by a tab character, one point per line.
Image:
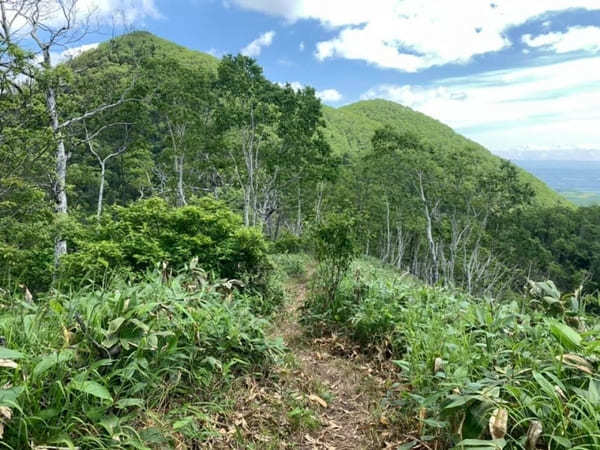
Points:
329	95
574	39
71	53
545	105
295	85
326	95
254	48
124	12
412	35
84	13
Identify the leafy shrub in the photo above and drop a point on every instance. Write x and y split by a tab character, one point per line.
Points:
26	251
85	370
289	243
334	243
461	358
292	265
136	237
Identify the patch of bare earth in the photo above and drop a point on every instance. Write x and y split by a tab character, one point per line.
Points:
323	395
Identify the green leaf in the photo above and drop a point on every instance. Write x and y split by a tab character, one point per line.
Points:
460	401
544	384
8	397
479	444
593	394
129	402
566	335
52	360
91	388
6	353
109	423
183	423
114	325
564	442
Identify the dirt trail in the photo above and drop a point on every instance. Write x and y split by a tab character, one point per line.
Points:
347	419
323	396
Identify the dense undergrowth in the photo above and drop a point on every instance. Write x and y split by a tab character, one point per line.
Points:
528	362
129	366
135	341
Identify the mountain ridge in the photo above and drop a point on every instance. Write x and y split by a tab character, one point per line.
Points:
349	128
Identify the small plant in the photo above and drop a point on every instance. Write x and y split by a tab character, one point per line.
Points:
303	419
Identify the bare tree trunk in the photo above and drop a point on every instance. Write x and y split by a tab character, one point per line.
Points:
401	247
246	208
299	215
181	201
388	234
320	189
59	188
101	189
432	245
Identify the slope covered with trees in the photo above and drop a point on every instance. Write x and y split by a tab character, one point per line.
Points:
143	117
350	129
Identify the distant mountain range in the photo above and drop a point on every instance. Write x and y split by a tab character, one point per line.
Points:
528	154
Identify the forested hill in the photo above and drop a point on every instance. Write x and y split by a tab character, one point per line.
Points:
351	128
131	46
140	118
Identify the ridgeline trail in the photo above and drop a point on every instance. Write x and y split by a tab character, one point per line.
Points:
323	394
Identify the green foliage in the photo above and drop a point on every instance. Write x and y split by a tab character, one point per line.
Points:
288	242
334	242
92	367
148	232
460	358
334	245
351	128
292	264
561	244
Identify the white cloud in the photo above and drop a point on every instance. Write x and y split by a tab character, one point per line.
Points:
254	48
71	53
574	39
326	95
329	95
546	105
84	14
120	11
412	35
301	46
295	85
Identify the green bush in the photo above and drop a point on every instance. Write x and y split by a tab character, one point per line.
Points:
87	370
460	358
26	251
136	237
335	246
292	265
289	243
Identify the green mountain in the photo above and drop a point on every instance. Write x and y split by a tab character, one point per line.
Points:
349	128
144	43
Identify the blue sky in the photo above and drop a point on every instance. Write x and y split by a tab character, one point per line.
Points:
511	74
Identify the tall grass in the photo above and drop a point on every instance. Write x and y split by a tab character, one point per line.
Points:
128	366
